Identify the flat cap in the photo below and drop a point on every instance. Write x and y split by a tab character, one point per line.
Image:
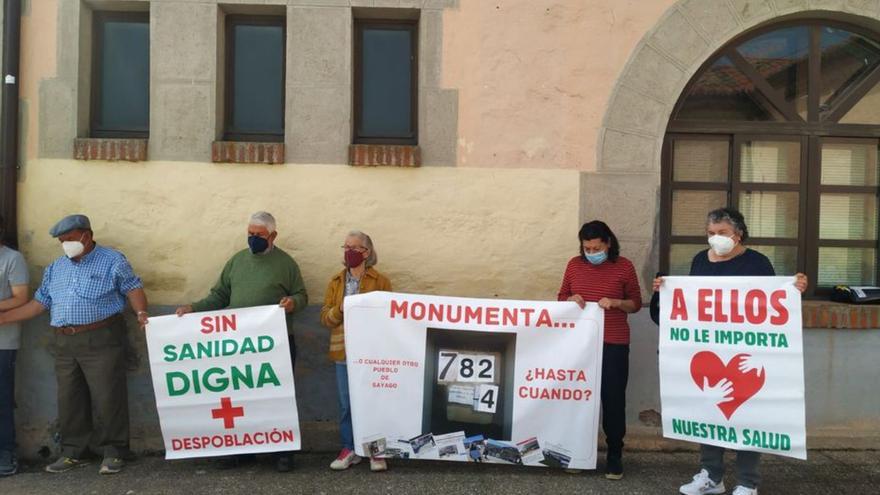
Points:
68	223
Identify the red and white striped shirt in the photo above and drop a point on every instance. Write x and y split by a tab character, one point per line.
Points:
614	280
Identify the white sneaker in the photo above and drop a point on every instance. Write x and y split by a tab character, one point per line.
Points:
345	460
378	464
702	485
741	490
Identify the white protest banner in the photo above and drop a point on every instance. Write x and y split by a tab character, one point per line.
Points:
731	363
482	380
223	382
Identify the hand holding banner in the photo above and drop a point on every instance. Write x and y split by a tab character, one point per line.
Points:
731	363
223	382
478	380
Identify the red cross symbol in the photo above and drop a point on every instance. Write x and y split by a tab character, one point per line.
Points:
227	412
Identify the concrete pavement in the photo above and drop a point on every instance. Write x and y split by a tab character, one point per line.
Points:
826	471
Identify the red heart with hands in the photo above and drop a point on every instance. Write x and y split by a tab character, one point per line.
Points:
707	367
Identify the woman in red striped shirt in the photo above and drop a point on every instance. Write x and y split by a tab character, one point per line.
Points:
602	276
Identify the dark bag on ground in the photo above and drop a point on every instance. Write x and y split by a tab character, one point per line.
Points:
856	295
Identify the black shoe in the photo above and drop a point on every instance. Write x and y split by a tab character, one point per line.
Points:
614	469
8	463
284	463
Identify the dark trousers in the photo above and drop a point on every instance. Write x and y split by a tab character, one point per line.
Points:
615	374
747	462
292	345
90	368
7	400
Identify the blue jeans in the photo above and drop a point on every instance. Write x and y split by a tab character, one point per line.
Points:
7	400
346	432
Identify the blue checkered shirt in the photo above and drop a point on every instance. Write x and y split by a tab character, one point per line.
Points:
90	290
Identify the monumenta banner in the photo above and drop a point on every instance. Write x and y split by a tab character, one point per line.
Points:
474	380
223	382
731	363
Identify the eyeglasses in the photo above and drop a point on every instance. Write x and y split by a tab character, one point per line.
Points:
359	249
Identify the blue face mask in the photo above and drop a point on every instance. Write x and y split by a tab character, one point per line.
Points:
257	244
597	258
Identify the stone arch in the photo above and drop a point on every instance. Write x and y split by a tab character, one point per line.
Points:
635	120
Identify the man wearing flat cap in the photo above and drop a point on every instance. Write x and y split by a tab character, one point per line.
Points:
85	292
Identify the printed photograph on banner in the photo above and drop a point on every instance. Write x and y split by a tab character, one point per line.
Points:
555	456
731	363
398	448
503	452
223	382
476	448
530	451
474	380
451	446
375	447
423	445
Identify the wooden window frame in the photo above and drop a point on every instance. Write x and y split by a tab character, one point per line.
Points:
98	20
408	25
819	127
233	20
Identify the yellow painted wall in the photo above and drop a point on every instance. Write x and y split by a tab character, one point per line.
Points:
533	78
467	232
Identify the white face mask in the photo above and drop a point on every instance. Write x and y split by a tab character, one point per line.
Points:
721	245
73	248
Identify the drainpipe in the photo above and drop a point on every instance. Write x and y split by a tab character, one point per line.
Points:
9	120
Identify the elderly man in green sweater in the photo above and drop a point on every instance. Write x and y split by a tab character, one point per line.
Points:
259	275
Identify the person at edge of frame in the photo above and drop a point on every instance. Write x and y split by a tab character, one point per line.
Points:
13	293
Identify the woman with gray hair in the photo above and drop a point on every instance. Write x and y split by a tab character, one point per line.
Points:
726	232
358	277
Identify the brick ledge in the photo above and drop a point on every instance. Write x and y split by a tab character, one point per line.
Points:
111	149
828	314
247	152
389	155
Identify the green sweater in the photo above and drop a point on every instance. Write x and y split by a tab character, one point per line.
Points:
257	280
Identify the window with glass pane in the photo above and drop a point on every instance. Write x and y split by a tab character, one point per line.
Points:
781	57
689	209
385	82
851	163
255	78
848	212
770	213
681	256
847	266
121	75
847	58
723	92
771	162
866	110
699	160
807	169
783	258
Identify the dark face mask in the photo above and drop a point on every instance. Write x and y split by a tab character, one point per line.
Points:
257	244
353	258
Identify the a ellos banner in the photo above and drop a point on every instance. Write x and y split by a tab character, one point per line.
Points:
731	363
